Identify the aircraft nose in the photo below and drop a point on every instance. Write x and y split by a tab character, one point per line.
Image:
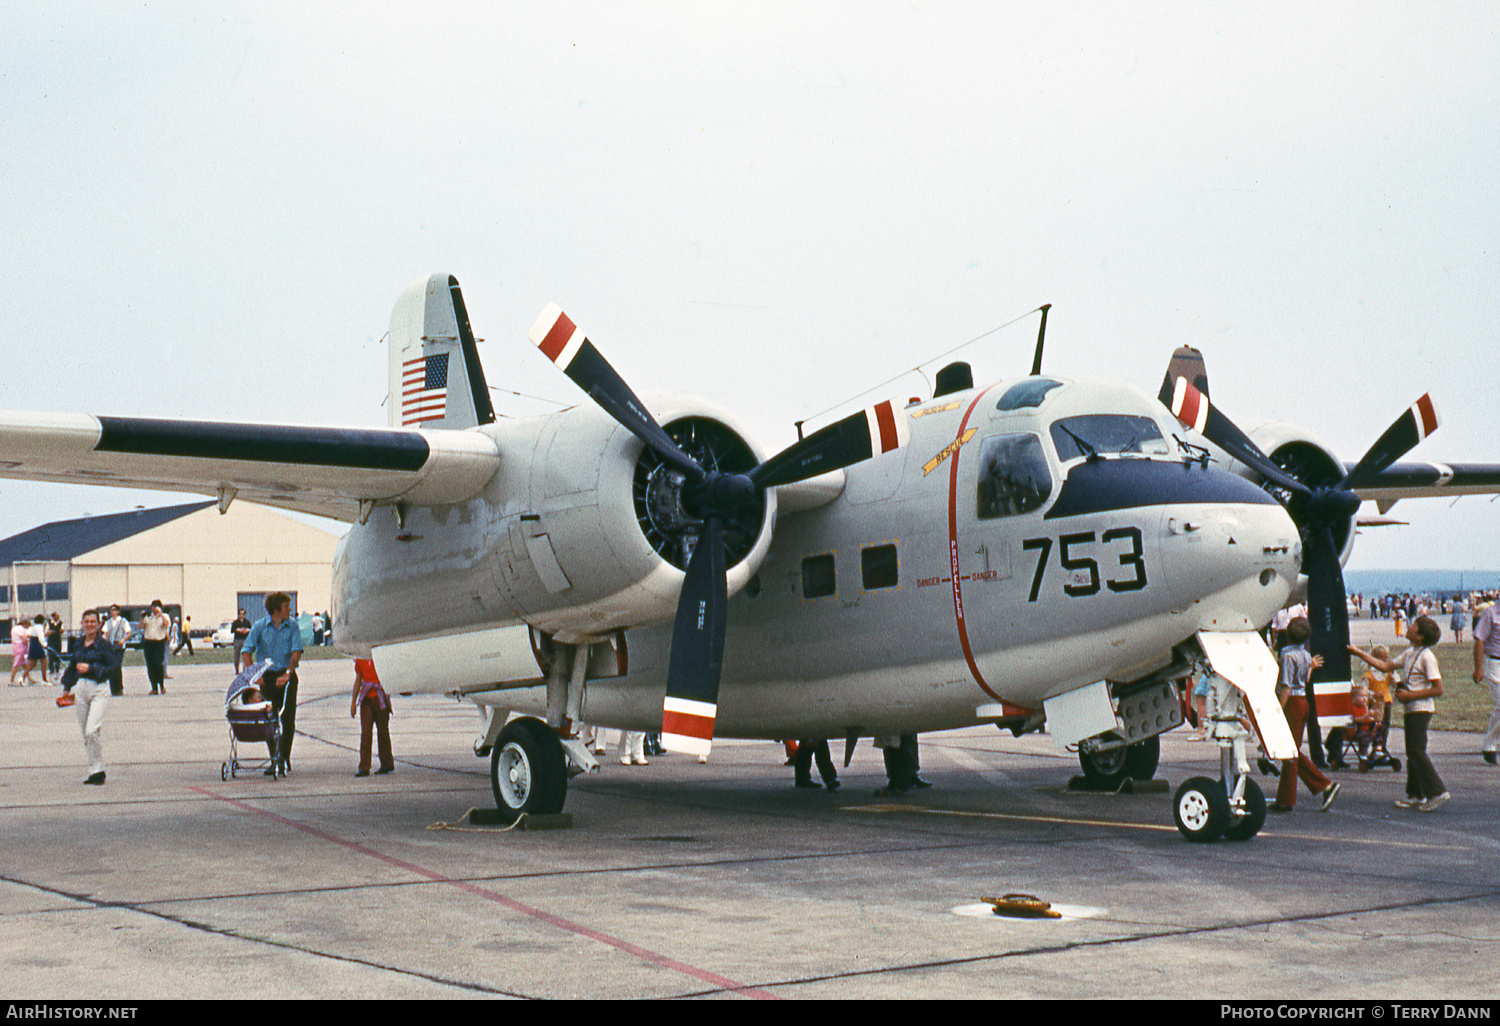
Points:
1228	551
1231	564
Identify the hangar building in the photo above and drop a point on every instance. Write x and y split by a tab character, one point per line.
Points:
186	555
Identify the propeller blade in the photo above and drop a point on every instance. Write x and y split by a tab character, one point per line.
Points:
1327	605
1420	420
1193	409
875	430
565	345
692	702
1186	362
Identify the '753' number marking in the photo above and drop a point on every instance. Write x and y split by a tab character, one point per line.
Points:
1071	554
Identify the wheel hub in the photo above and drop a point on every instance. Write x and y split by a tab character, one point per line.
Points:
1194	810
515	775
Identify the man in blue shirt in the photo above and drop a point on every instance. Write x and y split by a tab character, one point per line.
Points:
279	639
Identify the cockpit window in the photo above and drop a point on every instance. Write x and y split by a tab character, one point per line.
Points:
1013	476
1100	433
1028	392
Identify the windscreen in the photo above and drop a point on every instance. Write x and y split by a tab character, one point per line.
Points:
1101	433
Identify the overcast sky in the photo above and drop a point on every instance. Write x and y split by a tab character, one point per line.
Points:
208	210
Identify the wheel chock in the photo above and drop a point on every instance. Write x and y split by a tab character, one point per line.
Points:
1022	906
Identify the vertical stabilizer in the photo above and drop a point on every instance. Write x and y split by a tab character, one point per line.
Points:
435	377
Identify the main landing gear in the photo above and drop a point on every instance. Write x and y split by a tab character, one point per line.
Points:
1107	768
528	770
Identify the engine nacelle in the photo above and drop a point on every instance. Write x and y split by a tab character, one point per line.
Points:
595	537
1309	460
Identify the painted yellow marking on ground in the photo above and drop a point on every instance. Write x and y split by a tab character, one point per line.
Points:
1008	815
1381	842
1377	841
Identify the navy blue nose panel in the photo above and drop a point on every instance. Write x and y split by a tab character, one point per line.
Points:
1105	485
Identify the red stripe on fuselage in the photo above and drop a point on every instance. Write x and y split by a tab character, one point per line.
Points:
886	418
953	559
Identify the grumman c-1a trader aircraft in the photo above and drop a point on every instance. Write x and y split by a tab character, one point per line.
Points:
1046	549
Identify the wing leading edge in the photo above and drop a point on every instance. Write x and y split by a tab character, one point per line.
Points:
1424	480
330	471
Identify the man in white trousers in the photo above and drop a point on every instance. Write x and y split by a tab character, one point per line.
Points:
1487	670
88	670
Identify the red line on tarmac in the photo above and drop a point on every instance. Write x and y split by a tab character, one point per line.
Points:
500	899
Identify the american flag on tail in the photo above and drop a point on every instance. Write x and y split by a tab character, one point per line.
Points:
424	389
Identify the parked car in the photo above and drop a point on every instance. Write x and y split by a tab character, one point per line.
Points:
224	636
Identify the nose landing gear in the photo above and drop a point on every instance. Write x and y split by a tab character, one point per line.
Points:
1233	806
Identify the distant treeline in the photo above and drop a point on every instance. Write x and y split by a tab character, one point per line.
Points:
1419	582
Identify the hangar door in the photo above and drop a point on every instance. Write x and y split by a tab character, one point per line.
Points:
254	603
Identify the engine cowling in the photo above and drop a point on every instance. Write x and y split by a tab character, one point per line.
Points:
598	537
1308	459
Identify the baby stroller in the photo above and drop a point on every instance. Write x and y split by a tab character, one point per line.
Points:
1366	740
255	722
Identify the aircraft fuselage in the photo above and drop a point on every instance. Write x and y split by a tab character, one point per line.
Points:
1033	537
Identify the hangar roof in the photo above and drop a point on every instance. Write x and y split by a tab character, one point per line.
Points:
63	540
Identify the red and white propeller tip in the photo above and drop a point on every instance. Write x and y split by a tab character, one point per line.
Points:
1189	405
688	726
556	336
1424	412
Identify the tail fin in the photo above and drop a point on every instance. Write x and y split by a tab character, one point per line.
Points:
435	377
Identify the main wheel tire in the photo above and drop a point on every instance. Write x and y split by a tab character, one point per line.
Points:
528	772
1107	770
1248	825
1200	809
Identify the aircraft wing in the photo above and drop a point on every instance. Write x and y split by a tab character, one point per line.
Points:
330	471
1421	480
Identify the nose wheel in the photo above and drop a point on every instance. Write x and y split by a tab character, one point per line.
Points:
1201	809
1231	806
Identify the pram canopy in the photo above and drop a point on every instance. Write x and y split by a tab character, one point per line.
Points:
245	680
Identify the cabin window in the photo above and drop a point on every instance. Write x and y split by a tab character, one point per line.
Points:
1107	433
1013	476
879	567
818	580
